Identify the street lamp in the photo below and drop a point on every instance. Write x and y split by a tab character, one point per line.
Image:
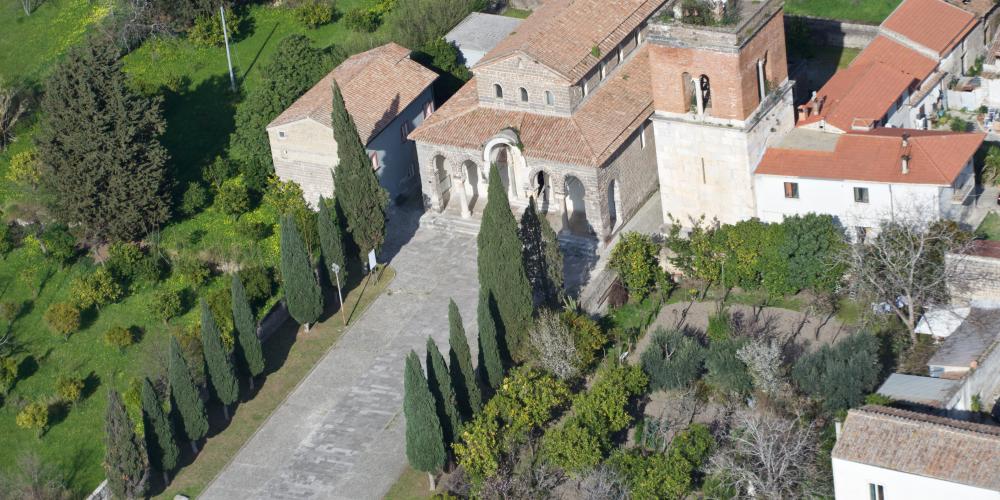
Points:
335	268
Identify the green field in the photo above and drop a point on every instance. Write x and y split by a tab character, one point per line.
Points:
990	227
199	108
861	11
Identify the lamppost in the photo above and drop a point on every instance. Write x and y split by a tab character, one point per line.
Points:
335	268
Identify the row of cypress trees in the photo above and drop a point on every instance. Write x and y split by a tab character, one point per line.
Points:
129	456
519	268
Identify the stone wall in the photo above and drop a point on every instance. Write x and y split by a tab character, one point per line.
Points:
837	33
516	72
984	381
305	155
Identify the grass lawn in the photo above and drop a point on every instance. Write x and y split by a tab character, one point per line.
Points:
861	11
518	13
31	44
411	485
840	57
292	357
990	227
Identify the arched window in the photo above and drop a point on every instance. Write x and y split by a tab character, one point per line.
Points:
498	91
549	101
524	94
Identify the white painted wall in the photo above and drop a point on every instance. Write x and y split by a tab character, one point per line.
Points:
851	480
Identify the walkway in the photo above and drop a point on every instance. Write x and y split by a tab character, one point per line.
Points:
341	433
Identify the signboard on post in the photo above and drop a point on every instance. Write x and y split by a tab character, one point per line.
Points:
372	261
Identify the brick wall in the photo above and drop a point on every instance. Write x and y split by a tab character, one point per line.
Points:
732	73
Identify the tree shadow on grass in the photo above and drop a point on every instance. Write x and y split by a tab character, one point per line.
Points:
199	121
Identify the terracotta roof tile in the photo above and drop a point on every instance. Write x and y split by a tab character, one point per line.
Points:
864	91
376	85
561	34
935	24
876	156
597	129
926	445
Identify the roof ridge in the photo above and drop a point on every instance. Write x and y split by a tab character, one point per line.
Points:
936	420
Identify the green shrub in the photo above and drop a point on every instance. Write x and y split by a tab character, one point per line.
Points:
572	447
220	170
119	337
10	370
718	326
98	288
233	198
636	260
314	13
34	416
6	239
254	229
167	303
9	310
362	20
60	246
220	301
840	375
726	373
672	360
207	29
63	318
193	271
69	389
258	281
195	199
130	263
589	338
667	475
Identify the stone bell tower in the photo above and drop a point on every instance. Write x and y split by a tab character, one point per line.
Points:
721	94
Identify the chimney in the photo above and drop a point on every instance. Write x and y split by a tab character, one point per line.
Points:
906	164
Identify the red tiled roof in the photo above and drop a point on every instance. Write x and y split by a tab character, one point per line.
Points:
377	85
935	24
864	91
936	157
589	137
561	34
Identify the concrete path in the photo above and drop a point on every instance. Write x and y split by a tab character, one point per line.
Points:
341	433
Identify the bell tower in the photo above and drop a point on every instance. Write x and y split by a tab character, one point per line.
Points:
721	94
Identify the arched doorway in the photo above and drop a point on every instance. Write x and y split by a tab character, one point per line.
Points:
540	184
576	210
471	173
443	180
706	91
614	204
501	157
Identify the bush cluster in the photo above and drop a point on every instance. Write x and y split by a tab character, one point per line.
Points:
207	29
315	13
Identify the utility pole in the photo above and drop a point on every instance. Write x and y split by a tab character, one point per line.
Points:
335	268
229	58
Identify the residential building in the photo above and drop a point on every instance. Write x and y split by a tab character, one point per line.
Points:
387	95
862	178
479	33
886	453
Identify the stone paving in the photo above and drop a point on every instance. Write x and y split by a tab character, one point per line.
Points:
341	433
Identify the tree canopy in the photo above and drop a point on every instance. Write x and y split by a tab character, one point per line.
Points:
302	292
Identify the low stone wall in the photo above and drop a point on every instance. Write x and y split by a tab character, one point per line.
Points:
272	321
525	4
837	33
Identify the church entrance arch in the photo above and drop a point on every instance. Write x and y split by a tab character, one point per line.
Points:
471	172
576	210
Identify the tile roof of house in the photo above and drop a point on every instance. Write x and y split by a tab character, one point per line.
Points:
481	31
589	137
935	24
928	391
562	34
376	85
863	92
936	157
978	7
971	341
984	248
925	445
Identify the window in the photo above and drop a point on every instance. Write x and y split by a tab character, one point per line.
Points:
860	195
604	71
876	492
281	134
549	101
428	109
374	157
792	190
498	91
524	94
404	130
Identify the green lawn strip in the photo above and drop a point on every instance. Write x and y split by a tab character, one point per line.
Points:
518	13
411	485
990	227
31	44
297	356
860	11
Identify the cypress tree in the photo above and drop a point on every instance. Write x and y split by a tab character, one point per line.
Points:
331	238
125	460
443	391
105	171
463	375
220	365
424	437
501	269
186	398
364	201
246	330
543	260
490	359
160	438
302	292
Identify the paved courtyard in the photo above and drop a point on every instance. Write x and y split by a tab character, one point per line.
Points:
341	433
